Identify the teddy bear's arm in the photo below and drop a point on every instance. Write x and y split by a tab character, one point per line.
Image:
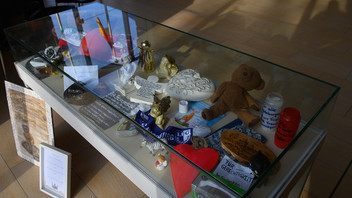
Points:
251	102
218	92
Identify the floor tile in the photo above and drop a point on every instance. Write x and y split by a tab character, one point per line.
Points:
79	188
66	138
7	146
102	177
27	175
9	186
322	179
344	189
336	157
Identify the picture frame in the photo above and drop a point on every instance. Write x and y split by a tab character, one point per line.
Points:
31	120
55	171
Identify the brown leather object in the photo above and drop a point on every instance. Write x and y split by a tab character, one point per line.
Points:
243	147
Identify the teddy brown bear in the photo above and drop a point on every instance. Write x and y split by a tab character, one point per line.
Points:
233	96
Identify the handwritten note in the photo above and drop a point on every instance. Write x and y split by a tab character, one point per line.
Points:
234	172
55	170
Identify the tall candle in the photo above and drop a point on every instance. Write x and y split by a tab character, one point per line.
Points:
287	128
271	111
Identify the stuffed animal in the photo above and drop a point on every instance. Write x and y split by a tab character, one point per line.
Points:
233	96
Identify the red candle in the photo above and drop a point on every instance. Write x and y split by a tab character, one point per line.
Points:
287	127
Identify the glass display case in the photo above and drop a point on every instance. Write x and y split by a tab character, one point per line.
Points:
103	69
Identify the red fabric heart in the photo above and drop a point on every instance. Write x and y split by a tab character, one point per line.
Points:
183	173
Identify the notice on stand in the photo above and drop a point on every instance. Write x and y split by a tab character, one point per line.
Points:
235	173
55	170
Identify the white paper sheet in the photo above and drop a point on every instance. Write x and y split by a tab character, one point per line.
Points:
86	74
55	170
234	172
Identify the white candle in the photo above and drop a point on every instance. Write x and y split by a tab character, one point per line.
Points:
183	106
271	111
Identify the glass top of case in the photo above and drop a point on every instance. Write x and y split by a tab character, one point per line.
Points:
113	67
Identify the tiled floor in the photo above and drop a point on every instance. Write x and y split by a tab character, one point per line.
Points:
311	36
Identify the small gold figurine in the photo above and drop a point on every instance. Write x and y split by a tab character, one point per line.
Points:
158	109
146	57
167	68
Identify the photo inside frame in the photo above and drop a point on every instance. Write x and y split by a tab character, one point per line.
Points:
31	121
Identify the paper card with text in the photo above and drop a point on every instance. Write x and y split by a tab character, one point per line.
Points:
234	172
84	74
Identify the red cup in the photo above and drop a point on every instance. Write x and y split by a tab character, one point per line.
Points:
287	127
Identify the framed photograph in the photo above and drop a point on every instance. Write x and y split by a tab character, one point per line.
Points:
55	171
31	121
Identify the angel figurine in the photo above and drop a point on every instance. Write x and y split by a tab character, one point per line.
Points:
158	109
167	68
146	57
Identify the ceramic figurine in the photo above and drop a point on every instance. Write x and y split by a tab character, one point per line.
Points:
199	142
161	163
158	109
146	57
154	147
167	67
233	96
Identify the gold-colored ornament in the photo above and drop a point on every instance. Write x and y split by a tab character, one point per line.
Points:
158	109
146	57
167	68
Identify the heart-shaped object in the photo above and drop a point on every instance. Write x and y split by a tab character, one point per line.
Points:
183	173
189	85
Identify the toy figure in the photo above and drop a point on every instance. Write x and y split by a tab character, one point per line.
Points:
146	57
233	96
167	67
161	163
199	142
155	146
158	109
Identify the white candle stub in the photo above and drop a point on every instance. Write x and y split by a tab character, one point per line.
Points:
153	78
183	106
